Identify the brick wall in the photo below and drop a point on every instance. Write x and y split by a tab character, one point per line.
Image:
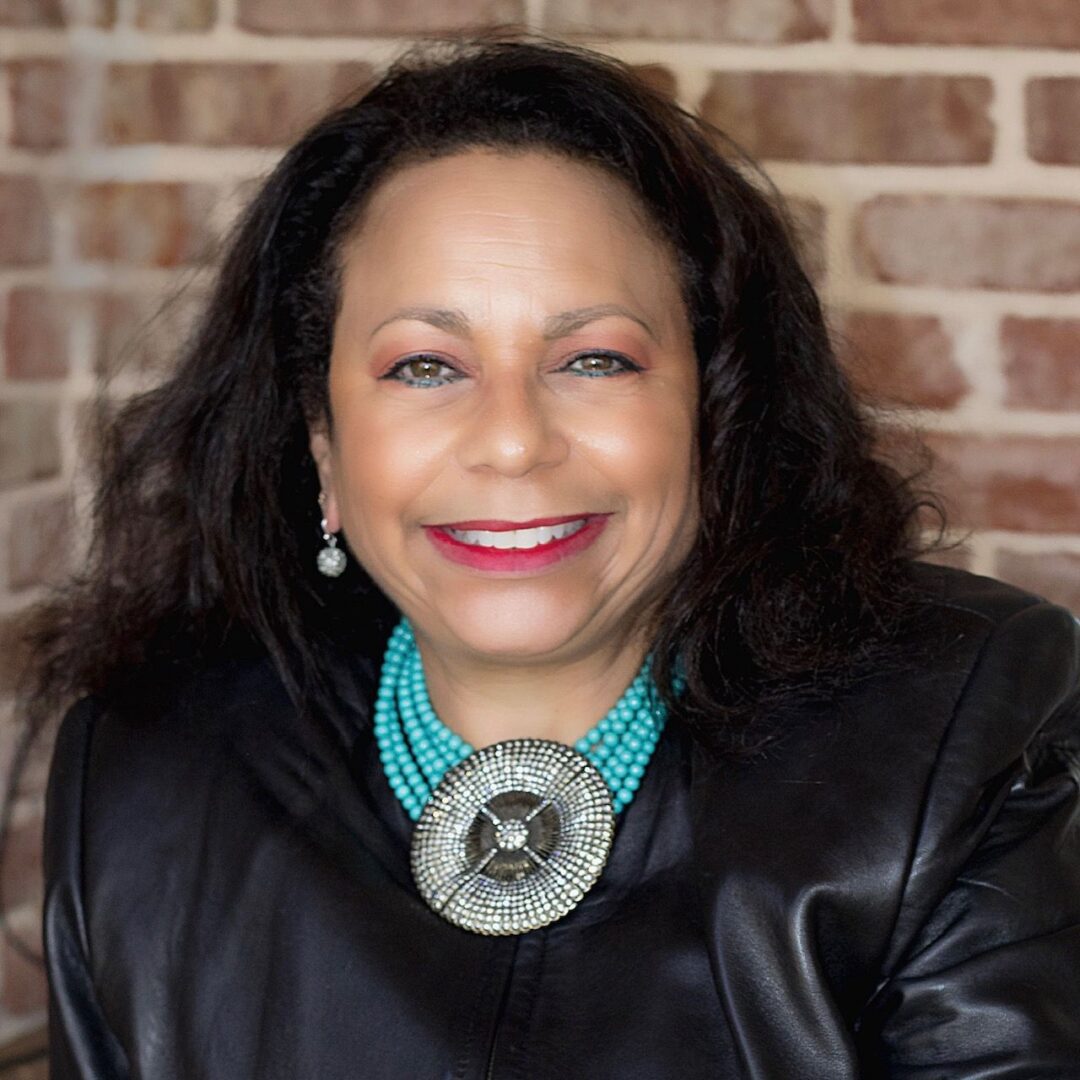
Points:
931	147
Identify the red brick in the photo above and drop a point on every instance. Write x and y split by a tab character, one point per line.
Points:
375	17
24	222
1053	23
39	543
661	79
966	242
100	13
51	13
211	104
143	332
692	20
147	224
1053	120
33	777
20	868
28	13
175	14
35	334
810	116
900	359
902	446
25	990
1041	359
1052	574
40	91
29	442
1019	482
14	659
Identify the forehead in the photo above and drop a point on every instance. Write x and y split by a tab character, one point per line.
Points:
528	206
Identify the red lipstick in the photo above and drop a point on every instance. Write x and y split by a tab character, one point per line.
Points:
510	559
506	526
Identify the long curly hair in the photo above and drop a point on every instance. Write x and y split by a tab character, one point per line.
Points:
205	523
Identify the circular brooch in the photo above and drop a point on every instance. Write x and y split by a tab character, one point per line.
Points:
513	836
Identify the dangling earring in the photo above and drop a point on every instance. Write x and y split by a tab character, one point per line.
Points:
331	559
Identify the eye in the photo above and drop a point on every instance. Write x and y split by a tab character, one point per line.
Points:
423	370
602	363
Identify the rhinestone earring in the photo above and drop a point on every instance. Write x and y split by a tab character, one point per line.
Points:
331	559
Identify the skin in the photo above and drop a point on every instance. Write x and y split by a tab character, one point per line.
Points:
505	429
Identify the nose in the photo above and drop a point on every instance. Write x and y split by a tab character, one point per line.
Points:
513	426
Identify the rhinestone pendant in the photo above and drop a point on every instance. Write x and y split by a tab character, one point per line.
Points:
331	561
513	836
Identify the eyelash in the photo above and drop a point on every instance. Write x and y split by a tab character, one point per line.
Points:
628	366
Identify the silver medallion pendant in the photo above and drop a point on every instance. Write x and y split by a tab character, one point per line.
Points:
513	836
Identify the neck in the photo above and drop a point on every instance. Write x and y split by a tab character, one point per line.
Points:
485	703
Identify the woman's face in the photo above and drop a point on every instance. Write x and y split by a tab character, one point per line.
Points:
511	346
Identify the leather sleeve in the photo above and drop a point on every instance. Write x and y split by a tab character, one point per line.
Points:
989	984
81	1046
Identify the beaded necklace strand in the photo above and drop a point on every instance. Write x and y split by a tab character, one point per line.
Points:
417	749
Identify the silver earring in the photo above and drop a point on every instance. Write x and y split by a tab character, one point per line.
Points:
331	559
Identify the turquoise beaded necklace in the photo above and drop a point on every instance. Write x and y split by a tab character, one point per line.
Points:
417	749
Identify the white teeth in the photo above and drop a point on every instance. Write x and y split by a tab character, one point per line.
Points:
518	538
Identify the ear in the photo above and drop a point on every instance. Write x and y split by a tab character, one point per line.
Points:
323	453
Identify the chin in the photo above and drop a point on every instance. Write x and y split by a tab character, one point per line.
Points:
518	631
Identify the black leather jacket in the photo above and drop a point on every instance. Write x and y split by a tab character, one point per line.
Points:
893	892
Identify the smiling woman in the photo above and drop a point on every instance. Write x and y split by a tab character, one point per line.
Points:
536	366
502	654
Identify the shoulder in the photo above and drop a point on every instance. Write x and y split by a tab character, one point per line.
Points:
1018	653
990	898
160	801
878	798
996	766
223	739
136	778
988	599
907	765
982	672
987	689
168	729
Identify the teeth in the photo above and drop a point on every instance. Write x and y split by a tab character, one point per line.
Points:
521	539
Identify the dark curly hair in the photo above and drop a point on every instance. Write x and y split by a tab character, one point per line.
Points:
205	521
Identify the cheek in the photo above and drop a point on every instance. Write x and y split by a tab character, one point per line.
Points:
364	443
373	497
382	467
366	477
649	449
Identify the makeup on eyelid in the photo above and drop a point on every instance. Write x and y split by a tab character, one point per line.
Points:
619	365
421	340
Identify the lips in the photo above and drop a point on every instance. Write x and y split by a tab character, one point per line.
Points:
516	560
507	526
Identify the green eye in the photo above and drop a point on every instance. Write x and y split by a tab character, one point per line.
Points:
415	365
602	363
424	371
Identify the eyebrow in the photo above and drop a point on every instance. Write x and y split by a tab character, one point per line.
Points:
454	321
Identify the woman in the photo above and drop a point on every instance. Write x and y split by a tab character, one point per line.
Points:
502	655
